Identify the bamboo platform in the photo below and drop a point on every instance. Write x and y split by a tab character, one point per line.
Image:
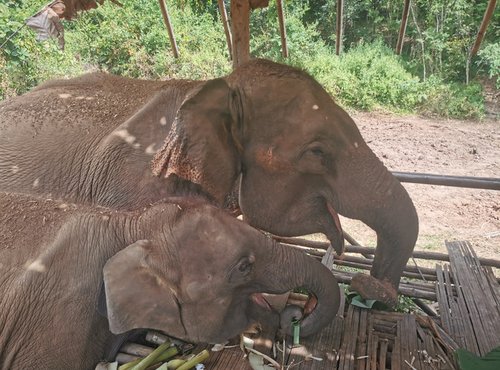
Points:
468	294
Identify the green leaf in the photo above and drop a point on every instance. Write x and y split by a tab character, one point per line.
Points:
358	301
469	361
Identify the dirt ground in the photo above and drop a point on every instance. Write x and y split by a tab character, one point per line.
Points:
445	147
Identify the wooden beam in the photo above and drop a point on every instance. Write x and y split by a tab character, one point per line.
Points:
402	28
281	19
240	27
225	23
484	25
254	4
339	26
166	19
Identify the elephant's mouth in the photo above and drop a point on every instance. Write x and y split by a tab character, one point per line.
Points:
335	236
261	301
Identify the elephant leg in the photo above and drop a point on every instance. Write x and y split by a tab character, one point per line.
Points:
371	288
388	266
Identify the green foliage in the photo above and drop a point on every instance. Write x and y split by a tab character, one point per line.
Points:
490	61
453	100
132	41
25	63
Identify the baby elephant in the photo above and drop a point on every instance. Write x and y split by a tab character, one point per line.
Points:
183	267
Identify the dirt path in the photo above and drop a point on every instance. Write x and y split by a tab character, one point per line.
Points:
446	147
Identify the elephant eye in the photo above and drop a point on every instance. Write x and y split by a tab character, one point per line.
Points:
317	151
245	265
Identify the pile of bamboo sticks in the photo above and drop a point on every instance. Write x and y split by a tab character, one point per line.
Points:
417	282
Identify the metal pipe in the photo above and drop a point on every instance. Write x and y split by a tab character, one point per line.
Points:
487	183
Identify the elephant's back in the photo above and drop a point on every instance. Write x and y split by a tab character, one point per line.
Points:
96	101
26	221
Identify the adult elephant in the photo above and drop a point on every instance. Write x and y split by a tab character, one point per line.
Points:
267	130
186	268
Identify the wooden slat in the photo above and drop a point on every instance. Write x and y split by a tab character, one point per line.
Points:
346	338
361	350
462	326
475	294
227	359
383	354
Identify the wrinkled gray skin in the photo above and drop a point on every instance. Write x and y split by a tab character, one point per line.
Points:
271	132
189	269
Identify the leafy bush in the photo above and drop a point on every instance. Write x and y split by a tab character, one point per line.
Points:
490	61
452	100
132	41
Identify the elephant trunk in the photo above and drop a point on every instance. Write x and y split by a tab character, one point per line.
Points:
374	196
305	272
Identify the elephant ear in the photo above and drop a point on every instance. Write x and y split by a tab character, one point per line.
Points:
203	144
138	295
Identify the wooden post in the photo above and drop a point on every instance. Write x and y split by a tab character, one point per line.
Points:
240	27
402	28
339	26
281	19
225	23
484	25
166	19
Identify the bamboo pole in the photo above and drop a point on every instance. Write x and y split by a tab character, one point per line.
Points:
404	288
281	19
339	26
240	28
484	25
227	31
487	183
402	28
319	249
166	19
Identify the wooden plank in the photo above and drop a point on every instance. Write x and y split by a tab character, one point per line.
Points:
402	28
227	359
170	29
373	349
468	313
281	19
462	326
346	337
384	343
361	350
396	355
324	345
475	296
339	26
240	27
369	341
484	25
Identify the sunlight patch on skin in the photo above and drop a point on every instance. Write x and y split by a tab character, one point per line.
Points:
163	121
14	169
315	107
195	289
36	183
150	149
125	135
65	96
36	266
